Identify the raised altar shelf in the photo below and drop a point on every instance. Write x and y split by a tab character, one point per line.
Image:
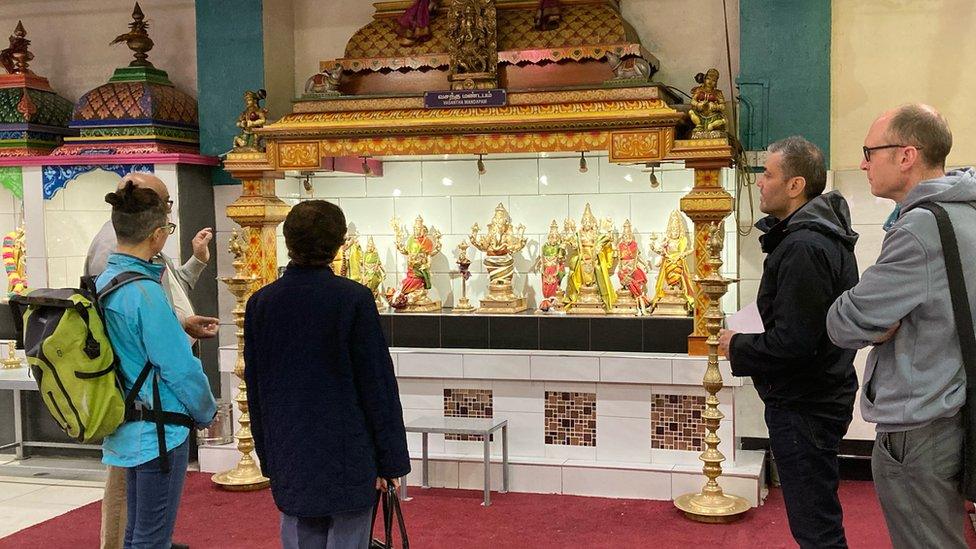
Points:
591	423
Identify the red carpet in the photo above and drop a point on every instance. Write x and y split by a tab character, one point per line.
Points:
440	518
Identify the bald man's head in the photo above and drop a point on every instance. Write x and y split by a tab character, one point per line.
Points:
145	180
921	126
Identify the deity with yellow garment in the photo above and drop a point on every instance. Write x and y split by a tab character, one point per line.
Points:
373	273
348	261
673	293
419	248
15	262
632	273
589	288
498	245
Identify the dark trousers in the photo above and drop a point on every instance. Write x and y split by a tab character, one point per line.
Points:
349	530
153	499
805	450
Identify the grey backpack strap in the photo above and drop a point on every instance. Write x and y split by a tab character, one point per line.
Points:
963	316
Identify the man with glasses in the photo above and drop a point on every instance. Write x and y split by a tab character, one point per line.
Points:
177	283
915	383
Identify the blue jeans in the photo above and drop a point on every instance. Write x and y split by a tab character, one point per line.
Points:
805	450
153	499
350	530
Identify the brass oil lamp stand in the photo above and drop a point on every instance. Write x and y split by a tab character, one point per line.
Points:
246	476
712	504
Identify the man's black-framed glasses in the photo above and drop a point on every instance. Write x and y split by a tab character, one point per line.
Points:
867	150
170	228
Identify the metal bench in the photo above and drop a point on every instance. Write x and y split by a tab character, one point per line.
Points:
463	426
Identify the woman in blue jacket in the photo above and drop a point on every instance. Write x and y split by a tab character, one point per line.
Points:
144	330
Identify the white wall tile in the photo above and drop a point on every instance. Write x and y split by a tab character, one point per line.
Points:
443	473
868	246
616	483
518	396
450	178
537	212
635	370
468	210
650	212
691	371
623	439
581	453
436	211
9	203
565	368
399	179
531	479
435	365
370	216
339	187
749	413
624	178
291	187
865	207
87	191
224	195
526	433
57	272
496	366
629	401
562	176
422	394
435	441
508	177
680	181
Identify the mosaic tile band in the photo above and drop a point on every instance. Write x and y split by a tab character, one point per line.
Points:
570	418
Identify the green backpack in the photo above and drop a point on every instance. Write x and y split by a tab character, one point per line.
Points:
72	360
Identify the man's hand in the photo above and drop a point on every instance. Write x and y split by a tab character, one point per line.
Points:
382	485
724	340
201	244
201	327
889	334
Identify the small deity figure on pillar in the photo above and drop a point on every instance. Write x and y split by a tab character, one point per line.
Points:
673	293
15	262
707	107
16	57
474	44
632	273
413	27
553	268
253	117
498	245
589	289
348	261
373	273
419	248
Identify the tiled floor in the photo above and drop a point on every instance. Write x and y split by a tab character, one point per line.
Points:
30	495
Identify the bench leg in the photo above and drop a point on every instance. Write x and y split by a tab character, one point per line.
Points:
505	458
426	479
18	426
487	501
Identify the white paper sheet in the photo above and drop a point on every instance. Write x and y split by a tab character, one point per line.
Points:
746	321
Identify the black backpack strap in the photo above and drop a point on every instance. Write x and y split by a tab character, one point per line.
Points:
120	280
155	415
964	326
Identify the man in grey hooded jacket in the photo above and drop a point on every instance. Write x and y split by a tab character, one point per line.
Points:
915	384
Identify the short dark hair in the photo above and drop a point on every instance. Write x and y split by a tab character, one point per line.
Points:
923	127
136	213
801	158
314	230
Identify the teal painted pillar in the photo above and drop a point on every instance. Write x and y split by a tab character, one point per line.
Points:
230	59
784	74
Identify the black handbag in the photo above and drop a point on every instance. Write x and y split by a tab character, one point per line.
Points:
967	340
390	502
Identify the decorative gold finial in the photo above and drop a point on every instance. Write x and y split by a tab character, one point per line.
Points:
16	57
137	38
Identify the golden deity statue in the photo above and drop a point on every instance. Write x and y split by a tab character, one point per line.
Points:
498	245
254	116
553	268
673	291
348	261
589	289
707	107
15	261
373	273
632	273
423	244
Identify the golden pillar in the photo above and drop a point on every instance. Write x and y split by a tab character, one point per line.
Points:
706	204
712	504
258	211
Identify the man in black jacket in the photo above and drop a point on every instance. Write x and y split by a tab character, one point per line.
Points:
806	382
325	409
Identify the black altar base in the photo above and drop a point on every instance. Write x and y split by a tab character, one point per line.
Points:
530	330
